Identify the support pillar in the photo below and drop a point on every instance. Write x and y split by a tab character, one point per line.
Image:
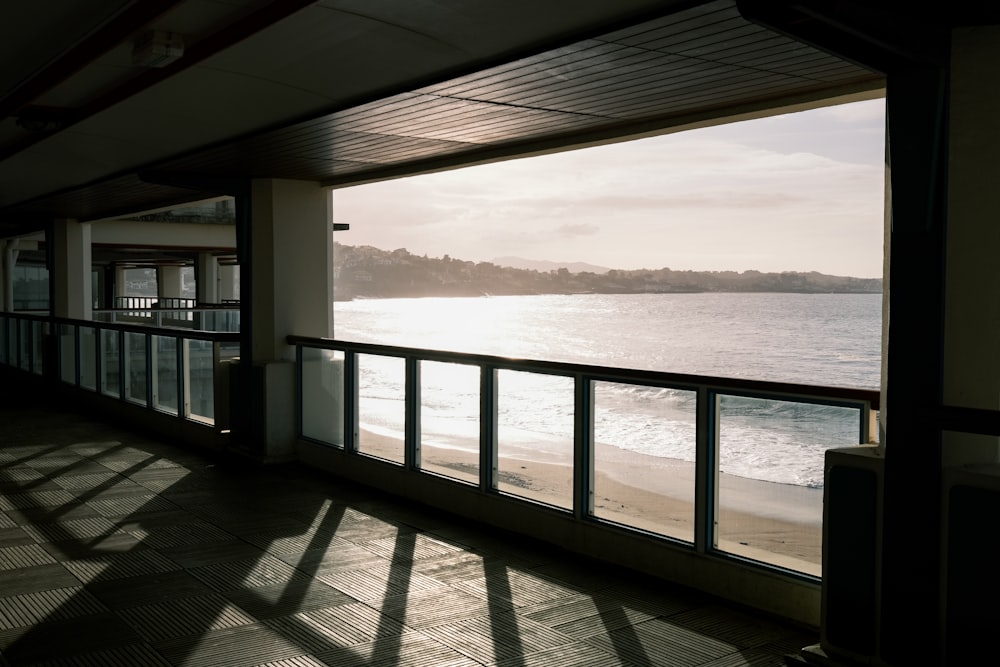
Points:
228	281
917	113
207	278
169	282
108	286
971	364
120	288
291	264
972	316
71	274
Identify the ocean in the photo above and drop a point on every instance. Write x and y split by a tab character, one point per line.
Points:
819	339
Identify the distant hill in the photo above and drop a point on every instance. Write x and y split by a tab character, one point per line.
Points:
365	271
544	265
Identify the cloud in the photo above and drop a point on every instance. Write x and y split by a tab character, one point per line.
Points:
801	192
578	230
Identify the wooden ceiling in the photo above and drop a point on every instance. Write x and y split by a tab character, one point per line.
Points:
340	93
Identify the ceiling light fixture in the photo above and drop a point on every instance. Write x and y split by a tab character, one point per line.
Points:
157	48
42	120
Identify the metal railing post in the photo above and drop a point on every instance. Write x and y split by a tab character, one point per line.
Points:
76	355
706	490
583	447
351	428
488	443
150	365
183	378
411	419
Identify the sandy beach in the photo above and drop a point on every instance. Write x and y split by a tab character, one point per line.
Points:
775	523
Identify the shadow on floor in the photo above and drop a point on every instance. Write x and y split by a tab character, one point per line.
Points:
119	549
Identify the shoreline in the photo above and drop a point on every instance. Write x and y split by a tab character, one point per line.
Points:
776	523
340	298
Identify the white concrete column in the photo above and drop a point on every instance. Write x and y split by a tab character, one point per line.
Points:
291	260
121	281
292	265
972	312
71	273
228	277
169	282
207	285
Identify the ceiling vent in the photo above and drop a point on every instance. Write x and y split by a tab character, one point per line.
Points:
157	48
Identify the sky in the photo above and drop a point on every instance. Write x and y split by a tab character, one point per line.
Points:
797	192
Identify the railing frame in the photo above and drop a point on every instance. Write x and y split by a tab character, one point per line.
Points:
53	327
707	389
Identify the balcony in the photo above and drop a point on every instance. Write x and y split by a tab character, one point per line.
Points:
454	438
119	548
466	434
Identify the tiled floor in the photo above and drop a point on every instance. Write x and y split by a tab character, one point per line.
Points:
117	549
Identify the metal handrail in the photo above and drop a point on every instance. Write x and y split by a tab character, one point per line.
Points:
194	334
27	354
708	390
729	386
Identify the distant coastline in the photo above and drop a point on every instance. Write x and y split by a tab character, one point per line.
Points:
368	272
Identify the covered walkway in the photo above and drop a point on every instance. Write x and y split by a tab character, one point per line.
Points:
120	549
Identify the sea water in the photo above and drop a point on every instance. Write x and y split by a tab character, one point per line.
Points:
816	339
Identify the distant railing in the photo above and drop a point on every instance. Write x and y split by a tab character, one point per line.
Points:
142	302
21	341
555	434
220	318
172	372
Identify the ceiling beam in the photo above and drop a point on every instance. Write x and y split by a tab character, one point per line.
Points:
877	35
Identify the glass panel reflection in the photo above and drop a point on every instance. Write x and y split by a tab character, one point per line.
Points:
323	395
535	436
110	364
449	420
771	456
164	369
199	380
67	353
37	335
381	406
88	358
135	367
644	457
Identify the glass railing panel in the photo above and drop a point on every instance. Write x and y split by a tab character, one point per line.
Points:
24	345
449	420
230	320
323	395
135	367
88	358
644	457
37	347
381	406
535	436
229	351
12	341
199	381
67	353
770	488
110	363
164	369
176	318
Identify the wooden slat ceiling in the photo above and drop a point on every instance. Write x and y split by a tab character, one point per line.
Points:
703	64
